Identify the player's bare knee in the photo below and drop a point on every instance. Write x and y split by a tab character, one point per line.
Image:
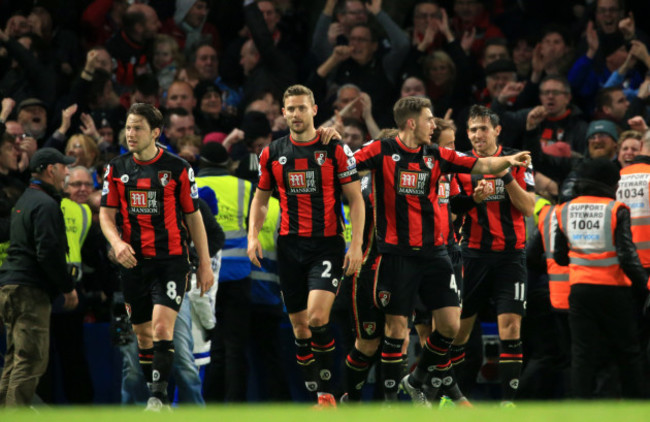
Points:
509	328
449	328
162	331
318	318
367	347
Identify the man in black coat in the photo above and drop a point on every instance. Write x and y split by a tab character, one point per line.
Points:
33	274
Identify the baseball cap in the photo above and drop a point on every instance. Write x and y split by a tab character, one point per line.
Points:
31	102
45	156
602	126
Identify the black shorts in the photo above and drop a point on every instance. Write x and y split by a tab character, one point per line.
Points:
423	317
499	278
368	318
306	264
154	282
402	278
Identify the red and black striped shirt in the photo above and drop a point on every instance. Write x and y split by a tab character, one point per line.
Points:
309	176
405	180
447	187
495	224
151	197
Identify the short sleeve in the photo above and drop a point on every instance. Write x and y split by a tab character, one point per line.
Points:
346	164
189	192
110	195
266	178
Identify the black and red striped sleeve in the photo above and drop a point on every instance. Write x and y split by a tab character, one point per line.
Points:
266	178
188	192
346	165
455	162
110	194
369	157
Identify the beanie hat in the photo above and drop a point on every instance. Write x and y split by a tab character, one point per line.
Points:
214	154
600	170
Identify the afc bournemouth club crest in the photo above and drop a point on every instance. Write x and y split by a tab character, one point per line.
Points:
369	328
320	157
428	161
384	298
164	177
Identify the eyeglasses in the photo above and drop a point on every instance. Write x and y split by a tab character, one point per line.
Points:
80	184
553	92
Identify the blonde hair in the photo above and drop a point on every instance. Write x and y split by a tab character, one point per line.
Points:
173	44
88	144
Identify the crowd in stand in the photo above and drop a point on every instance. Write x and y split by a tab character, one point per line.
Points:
218	69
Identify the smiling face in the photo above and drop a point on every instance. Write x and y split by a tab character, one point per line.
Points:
483	136
197	13
79	186
629	148
608	13
362	45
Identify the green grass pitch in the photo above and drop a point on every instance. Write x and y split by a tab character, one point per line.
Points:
482	412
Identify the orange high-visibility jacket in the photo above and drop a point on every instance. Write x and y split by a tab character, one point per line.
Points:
634	191
589	223
558	275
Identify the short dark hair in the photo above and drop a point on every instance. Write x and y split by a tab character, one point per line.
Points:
179	111
349	121
195	49
558	78
151	114
481	112
373	33
604	96
5	138
555	28
408	108
147	84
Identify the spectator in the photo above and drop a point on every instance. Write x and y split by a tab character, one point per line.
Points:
360	64
189	25
178	123
522	56
206	62
33	274
556	51
629	146
101	20
181	94
562	121
266	66
84	149
32	116
413	87
354	134
327	33
472	18
25	73
167	60
426	32
210	115
131	46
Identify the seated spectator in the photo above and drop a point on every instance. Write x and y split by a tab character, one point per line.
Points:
167	60
84	149
189	26
629	146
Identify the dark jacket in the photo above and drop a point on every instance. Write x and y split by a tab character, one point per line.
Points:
37	254
625	249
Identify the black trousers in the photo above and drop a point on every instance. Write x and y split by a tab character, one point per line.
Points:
227	373
604	330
